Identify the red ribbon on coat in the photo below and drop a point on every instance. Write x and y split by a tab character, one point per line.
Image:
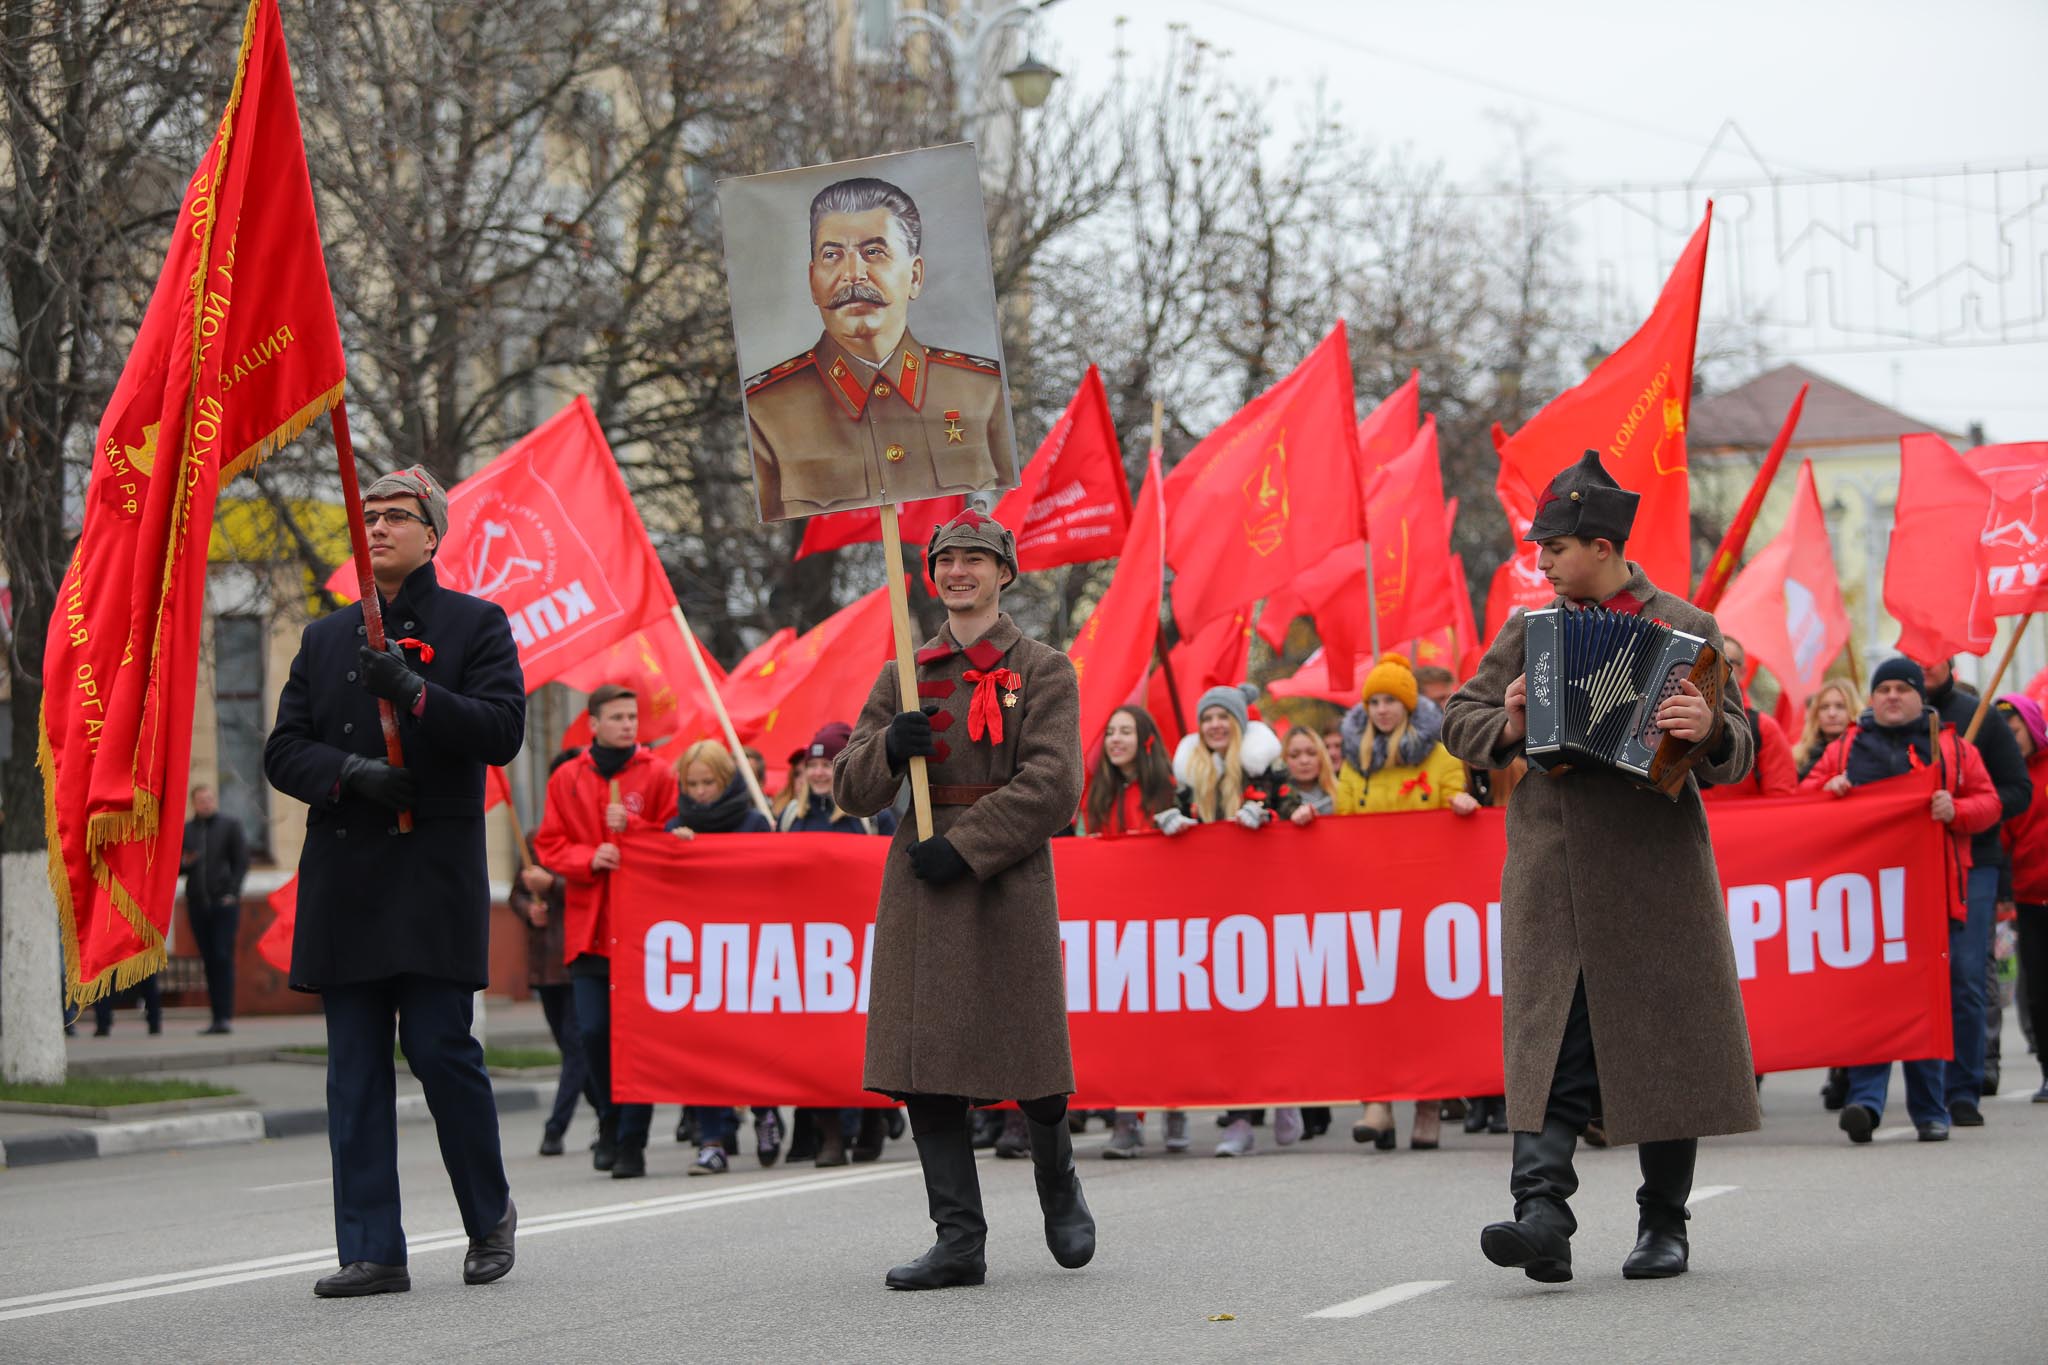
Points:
1420	780
985	709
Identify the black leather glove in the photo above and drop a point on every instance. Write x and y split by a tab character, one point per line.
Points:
935	860
378	782
387	675
909	736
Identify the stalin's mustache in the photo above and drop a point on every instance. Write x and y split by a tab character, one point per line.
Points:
857	293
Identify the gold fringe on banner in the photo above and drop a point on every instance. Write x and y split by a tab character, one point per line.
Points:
293	428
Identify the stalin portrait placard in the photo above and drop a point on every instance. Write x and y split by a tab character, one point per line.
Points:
864	309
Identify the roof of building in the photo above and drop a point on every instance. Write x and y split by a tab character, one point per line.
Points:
1750	414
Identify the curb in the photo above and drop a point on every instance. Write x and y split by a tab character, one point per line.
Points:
220	1128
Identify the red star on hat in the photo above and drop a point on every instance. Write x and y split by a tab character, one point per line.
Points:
971	518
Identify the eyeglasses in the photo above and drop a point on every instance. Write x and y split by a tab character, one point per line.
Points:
395	515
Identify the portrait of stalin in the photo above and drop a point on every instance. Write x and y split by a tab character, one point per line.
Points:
870	414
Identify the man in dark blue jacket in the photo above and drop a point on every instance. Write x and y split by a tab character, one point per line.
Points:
393	928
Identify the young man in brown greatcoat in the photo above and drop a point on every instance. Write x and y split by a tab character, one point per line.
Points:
1614	931
968	995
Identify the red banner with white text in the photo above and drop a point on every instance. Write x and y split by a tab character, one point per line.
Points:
1356	957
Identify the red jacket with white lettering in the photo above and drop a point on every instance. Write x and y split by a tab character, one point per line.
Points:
1961	773
574	827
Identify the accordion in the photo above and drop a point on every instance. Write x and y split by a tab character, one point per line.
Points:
1595	680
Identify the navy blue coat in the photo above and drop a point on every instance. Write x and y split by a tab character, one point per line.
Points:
374	903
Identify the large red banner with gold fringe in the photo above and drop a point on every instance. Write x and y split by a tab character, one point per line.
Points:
1357	958
237	353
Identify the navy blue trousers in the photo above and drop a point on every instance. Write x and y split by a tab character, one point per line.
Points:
431	1020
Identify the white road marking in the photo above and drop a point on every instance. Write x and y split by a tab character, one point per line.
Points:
290	1185
294	1263
1894	1134
1383	1298
1706	1192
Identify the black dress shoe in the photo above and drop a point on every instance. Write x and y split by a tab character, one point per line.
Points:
490	1256
630	1163
1858	1121
217	1026
1835	1093
1536	1249
358	1278
550	1144
1964	1114
1932	1132
1659	1255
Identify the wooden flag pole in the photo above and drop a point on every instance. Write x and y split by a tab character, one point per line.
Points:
732	739
366	586
1991	690
1158	449
1372	605
906	663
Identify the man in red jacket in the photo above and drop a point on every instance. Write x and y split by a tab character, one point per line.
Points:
614	786
1774	773
1899	735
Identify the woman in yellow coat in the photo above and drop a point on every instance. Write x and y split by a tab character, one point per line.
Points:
1393	761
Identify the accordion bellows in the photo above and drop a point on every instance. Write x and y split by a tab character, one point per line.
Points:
1595	680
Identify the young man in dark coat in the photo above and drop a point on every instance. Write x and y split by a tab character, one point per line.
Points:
1614	931
1964	1081
968	1001
393	929
215	860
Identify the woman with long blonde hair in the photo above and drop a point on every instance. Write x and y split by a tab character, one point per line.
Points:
1829	714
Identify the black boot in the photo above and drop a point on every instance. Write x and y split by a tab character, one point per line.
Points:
1835	1093
1538	1242
1069	1227
1661	1249
953	1191
606	1152
868	1139
630	1161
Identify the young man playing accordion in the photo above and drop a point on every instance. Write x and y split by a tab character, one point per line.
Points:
1620	994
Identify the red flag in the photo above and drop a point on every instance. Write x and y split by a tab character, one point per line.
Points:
1114	648
821	676
1269	493
1729	553
1410	550
1219	655
1632	409
275	944
655	663
1388	430
497	788
1072	505
1518	582
1471	647
2014	543
548	532
863	525
1786	604
237	353
1934	579
1313	679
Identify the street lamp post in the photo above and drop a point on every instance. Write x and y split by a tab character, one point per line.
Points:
971	36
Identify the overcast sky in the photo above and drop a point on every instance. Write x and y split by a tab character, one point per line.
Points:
1635	93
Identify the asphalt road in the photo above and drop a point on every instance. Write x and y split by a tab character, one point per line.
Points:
1805	1249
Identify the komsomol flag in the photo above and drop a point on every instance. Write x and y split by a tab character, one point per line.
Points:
237	353
1786	604
1632	408
1269	493
1072	504
549	533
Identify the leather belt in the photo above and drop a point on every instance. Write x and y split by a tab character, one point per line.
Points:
960	794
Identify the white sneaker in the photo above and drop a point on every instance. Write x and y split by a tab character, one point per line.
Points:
1177	1139
1287	1126
1237	1139
1128	1141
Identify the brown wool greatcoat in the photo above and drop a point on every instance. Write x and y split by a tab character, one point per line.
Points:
1614	882
968	992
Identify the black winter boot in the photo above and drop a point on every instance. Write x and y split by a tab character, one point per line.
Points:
1069	1227
606	1150
1538	1242
1661	1248
953	1191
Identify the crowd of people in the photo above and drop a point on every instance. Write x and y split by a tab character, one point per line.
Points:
1383	754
